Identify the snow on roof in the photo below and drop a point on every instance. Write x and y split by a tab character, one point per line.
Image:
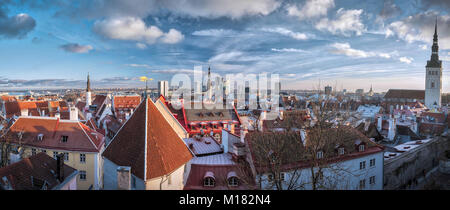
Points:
201	146
219	159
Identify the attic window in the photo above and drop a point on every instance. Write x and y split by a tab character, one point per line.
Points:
341	150
208	180
361	148
40	137
319	155
64	139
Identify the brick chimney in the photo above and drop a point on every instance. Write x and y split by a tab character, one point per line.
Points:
60	167
124	178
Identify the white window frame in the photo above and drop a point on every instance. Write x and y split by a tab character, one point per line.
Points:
362	165
33	151
233	181
319	155
55	154
372	162
362	184
341	150
209	182
361	148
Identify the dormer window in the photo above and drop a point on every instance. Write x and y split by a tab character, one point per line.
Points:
361	148
232	179
40	137
319	155
341	150
209	180
64	139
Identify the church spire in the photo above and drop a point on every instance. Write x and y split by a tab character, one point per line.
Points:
434	60
88	86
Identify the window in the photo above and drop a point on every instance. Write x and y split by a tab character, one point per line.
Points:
82	158
270	177
372	162
64	139
55	154
362	184
372	180
362	165
319	155
66	156
33	151
43	150
361	148
209	182
341	151
233	181
83	175
282	176
432	84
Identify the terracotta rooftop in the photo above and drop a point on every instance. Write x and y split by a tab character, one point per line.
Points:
40	167
402	93
80	136
148	144
33	107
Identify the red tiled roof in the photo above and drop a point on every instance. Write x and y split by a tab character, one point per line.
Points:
197	173
165	150
409	94
126	101
39	166
80	137
15	107
438	117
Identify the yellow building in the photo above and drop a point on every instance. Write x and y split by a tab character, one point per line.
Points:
81	144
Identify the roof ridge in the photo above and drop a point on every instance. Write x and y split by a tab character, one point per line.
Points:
95	146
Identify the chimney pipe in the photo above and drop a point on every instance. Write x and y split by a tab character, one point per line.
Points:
124	178
60	167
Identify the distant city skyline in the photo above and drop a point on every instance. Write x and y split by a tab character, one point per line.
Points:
343	43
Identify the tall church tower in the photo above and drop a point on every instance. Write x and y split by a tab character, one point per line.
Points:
88	93
433	78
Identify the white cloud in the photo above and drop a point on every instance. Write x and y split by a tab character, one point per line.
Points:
407	60
346	21
177	71
287	50
141	45
345	49
286	32
220	8
311	9
135	29
138	65
420	27
423	47
172	37
214	32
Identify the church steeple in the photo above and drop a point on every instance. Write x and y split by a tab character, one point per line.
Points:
434	60
88	85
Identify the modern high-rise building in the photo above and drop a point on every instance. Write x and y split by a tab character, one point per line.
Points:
163	88
328	90
433	78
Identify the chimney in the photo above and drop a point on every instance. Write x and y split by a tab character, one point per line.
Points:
303	136
392	126
57	115
24	112
124	178
60	167
49	106
380	123
73	113
127	116
243	132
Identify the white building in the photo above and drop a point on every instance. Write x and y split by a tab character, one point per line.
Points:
163	88
433	78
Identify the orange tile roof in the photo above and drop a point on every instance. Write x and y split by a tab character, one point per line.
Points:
159	152
40	166
14	107
80	137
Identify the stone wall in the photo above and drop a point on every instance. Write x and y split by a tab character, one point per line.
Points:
409	169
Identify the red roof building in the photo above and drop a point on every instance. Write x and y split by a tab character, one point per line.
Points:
148	144
38	172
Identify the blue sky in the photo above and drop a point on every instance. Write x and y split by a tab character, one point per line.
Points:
344	43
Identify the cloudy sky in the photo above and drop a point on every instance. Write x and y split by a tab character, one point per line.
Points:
345	43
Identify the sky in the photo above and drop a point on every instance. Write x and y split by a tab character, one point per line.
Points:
347	44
